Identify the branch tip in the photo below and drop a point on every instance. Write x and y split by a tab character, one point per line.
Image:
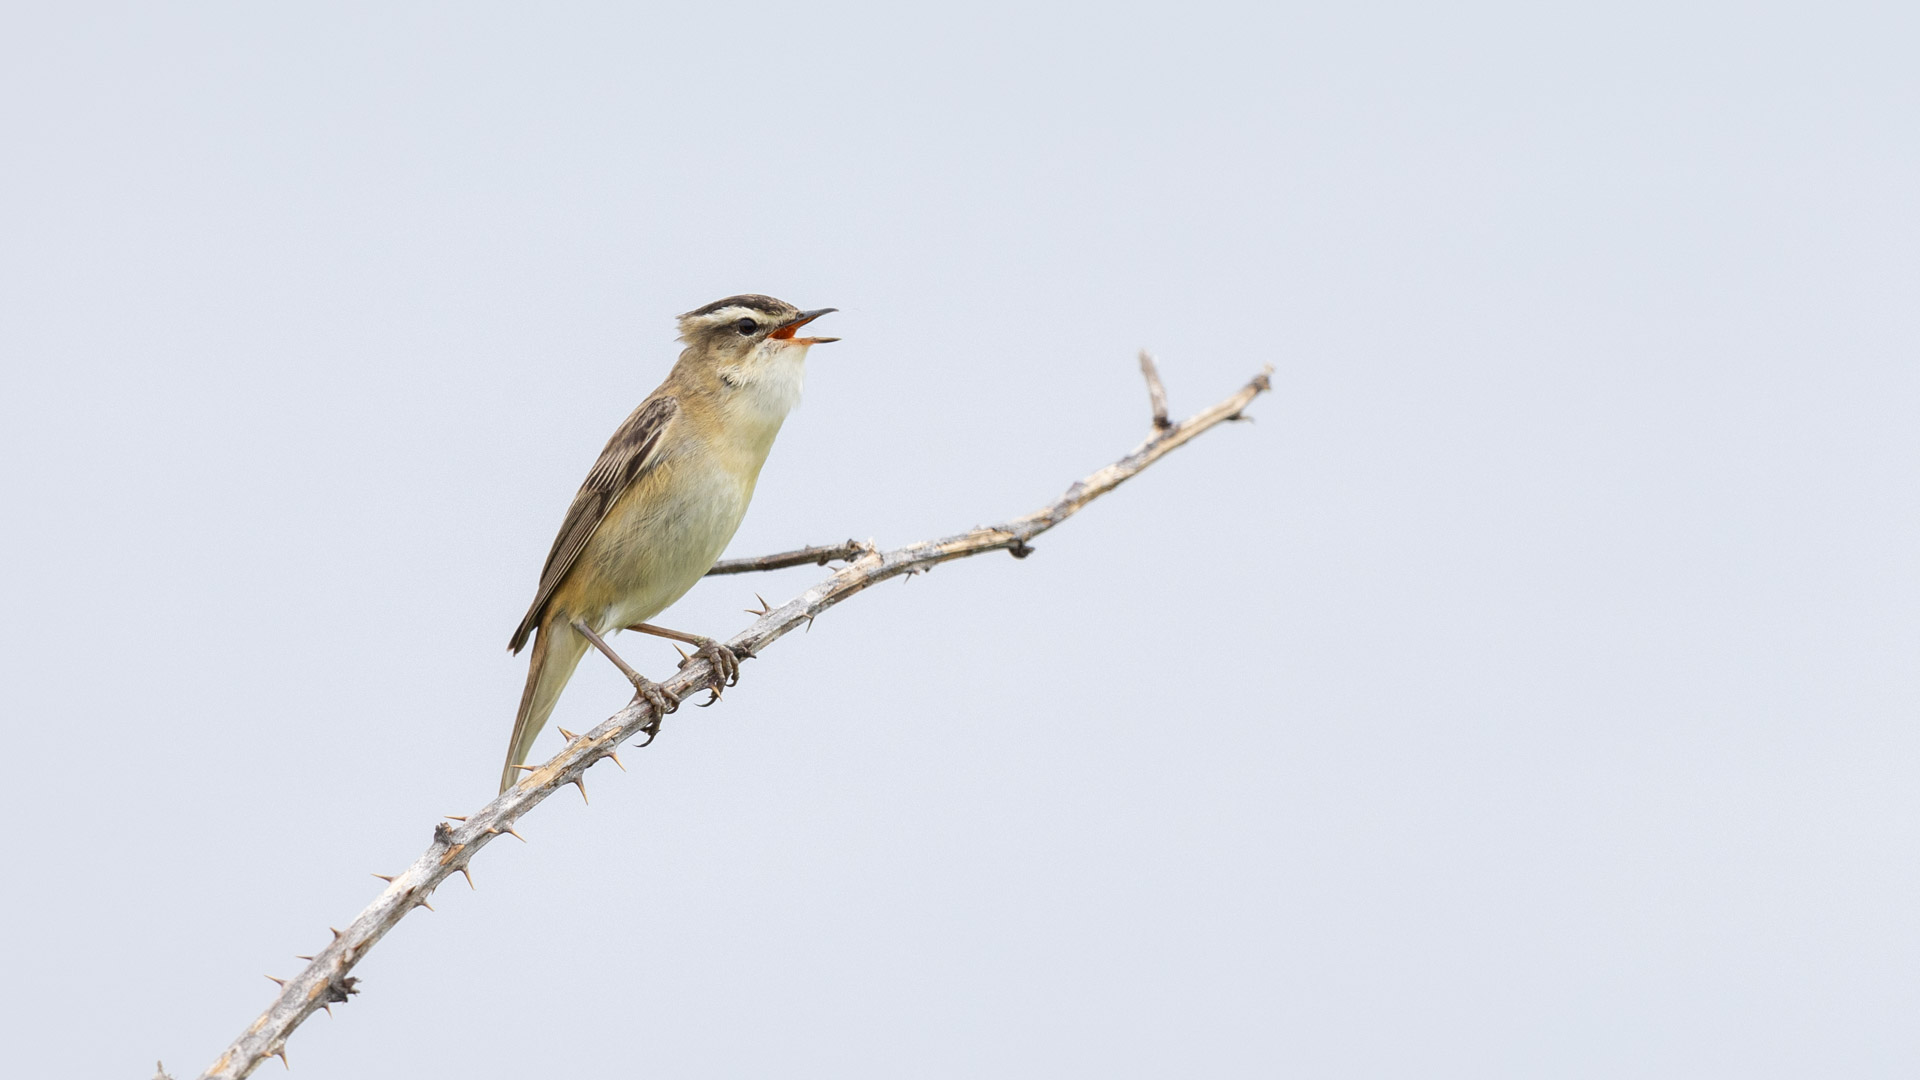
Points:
1156	391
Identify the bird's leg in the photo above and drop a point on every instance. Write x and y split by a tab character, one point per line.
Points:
725	663
658	696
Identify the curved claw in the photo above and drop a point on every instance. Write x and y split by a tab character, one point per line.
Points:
652	732
662	700
724	662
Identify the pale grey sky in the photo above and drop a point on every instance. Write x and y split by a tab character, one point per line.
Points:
1532	691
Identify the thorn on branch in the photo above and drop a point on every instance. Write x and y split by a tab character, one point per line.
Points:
279	982
388	878
466	874
1156	393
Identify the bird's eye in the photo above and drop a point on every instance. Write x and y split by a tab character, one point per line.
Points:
746	326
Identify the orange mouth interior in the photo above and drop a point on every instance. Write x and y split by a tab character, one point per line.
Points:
785	333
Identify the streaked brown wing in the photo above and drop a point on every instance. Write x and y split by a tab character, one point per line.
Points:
632	451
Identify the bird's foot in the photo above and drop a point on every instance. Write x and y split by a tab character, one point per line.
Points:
663	701
722	662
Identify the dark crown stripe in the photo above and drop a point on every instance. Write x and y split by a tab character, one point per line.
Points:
752	301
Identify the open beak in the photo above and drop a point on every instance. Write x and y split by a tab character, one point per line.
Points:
786	329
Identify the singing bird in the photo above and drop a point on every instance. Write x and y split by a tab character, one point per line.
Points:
661	503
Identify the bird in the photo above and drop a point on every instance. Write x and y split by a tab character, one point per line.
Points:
661	503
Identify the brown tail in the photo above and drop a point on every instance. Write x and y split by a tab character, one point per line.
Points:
556	652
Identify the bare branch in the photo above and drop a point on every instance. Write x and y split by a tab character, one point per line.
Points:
1156	393
326	981
818	556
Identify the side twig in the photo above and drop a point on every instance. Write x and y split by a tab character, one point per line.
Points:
326	980
818	556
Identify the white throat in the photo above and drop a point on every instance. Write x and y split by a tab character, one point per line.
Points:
764	392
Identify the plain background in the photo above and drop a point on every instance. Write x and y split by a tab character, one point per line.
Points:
1531	691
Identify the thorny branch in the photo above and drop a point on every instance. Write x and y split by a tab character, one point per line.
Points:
326	980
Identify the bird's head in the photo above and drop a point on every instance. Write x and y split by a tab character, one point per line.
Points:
742	329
